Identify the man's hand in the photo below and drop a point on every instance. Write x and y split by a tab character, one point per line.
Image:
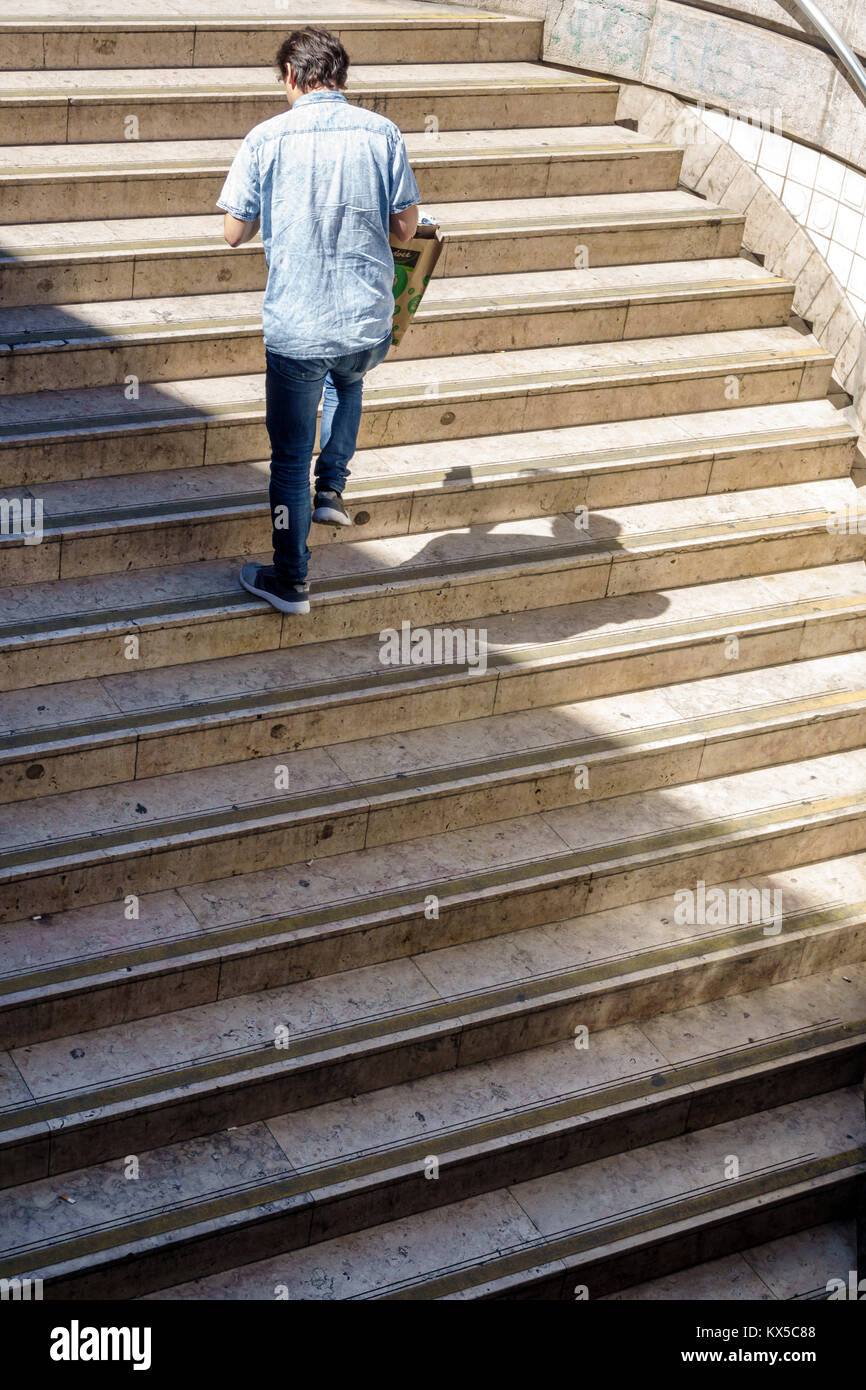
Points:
237	232
404	224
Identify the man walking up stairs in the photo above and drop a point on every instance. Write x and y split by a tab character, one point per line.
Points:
331	969
330	186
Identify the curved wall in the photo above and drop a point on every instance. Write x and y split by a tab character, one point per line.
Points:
770	123
725	56
713	167
754	58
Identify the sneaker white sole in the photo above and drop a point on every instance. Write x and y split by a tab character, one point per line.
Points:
326	517
301	605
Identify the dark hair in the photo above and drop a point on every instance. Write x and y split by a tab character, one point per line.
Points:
316	57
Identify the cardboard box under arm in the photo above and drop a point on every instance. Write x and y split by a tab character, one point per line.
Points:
414	263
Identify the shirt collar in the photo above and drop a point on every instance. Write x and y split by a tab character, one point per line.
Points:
322	94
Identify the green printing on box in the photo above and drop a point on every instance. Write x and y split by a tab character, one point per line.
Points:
414	262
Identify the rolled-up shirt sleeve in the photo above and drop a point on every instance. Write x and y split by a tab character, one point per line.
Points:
404	189
241	195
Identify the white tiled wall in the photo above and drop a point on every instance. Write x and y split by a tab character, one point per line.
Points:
826	197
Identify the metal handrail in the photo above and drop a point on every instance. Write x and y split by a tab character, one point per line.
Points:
843	50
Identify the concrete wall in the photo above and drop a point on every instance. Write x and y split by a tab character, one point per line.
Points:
713	167
770	123
752	57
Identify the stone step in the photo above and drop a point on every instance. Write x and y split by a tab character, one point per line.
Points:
263	929
79	106
136	427
64	183
65	347
140	258
587	1232
809	1265
119	1088
294	909
73	735
372	33
373	791
304	1178
73	629
76	974
135	521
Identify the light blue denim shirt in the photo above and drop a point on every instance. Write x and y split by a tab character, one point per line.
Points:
324	176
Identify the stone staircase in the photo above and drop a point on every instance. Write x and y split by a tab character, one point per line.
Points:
326	978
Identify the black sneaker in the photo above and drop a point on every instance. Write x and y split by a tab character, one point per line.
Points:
262	581
328	509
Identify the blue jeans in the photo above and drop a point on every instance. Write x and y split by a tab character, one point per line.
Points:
293	389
